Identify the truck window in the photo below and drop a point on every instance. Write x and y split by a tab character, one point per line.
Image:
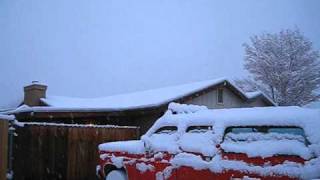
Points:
199	129
255	133
167	130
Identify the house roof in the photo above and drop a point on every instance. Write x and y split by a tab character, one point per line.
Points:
135	100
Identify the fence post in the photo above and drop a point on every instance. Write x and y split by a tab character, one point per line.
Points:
10	157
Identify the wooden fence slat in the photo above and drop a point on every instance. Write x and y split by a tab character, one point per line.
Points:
3	148
61	152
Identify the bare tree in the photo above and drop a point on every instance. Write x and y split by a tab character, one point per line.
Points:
285	66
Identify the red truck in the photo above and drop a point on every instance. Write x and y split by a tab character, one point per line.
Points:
218	144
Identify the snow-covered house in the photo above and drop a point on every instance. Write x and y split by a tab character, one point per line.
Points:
134	109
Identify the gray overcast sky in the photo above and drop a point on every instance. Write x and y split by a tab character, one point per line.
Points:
92	48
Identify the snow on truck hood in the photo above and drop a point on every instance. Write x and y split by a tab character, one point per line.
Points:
132	147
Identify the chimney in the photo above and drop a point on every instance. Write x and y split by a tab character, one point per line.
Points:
33	93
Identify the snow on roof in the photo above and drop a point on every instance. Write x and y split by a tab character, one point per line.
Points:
139	99
135	100
253	94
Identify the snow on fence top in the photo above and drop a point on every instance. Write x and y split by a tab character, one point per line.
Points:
75	125
6	117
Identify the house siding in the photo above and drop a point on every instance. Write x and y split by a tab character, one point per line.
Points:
230	100
258	103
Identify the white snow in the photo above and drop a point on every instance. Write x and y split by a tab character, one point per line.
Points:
184	108
217	165
268	148
98	168
220	119
191	160
199	143
313	105
135	100
72	125
116	175
6	117
133	147
253	94
258	145
35	83
162	143
140	99
143	167
246	178
158	156
117	161
249	137
184	144
165	174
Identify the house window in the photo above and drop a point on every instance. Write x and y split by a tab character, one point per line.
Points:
220	96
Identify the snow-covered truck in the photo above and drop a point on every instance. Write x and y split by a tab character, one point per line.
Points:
190	142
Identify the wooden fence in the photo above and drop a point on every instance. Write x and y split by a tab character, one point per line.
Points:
53	151
3	148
